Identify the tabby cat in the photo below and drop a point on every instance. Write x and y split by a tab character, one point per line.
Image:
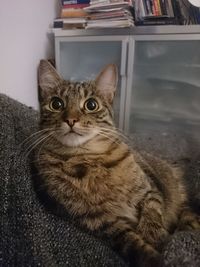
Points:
84	164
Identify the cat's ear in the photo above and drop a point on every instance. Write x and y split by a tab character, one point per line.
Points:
106	82
48	78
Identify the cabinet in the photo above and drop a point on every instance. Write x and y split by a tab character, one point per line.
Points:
159	71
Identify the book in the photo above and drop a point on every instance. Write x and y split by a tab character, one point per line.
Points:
73	12
69	23
67	26
139	10
97	14
105	6
68	2
159	8
177	11
75	6
169	7
149	7
165	12
159	21
156	8
108	15
109	24
145	6
163	7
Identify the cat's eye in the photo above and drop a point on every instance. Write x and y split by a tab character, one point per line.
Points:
56	104
91	105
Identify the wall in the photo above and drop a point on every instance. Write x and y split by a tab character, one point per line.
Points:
24	40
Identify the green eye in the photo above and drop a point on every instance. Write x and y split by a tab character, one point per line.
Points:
56	104
91	105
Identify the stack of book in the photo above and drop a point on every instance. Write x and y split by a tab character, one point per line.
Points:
109	14
152	12
86	14
72	14
165	12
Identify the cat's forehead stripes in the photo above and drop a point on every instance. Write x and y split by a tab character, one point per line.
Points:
75	90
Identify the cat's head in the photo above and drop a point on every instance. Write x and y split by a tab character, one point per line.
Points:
76	112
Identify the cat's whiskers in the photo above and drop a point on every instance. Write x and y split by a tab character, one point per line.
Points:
106	132
109	137
109	132
115	131
35	135
42	145
36	143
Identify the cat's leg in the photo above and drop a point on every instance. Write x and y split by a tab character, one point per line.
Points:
188	220
131	244
151	223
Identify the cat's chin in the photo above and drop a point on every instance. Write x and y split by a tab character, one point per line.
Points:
74	139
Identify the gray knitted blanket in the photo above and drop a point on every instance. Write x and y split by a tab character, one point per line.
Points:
32	235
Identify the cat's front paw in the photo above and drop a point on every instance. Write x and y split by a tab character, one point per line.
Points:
189	221
154	233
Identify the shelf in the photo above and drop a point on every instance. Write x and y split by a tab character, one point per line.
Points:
91	32
166	29
137	30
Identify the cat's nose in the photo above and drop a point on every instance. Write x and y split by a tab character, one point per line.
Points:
71	121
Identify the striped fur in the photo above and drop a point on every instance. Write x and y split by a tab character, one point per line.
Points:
134	199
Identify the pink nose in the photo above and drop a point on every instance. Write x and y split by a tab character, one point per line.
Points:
71	122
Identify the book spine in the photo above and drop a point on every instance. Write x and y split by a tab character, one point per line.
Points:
69	2
145	7
72	13
58	24
171	9
163	7
64	25
156	8
75	5
167	8
177	11
141	9
148	7
169	21
70	26
151	6
159	8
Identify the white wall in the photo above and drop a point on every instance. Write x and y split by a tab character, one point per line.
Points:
24	40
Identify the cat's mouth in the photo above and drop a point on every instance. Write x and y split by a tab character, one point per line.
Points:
75	136
72	132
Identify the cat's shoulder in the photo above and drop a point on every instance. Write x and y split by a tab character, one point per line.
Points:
158	164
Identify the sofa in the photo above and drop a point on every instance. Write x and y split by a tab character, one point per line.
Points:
33	233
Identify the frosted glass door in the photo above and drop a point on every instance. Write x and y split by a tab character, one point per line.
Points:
165	91
83	60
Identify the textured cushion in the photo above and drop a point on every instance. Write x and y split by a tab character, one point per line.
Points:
183	250
33	235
